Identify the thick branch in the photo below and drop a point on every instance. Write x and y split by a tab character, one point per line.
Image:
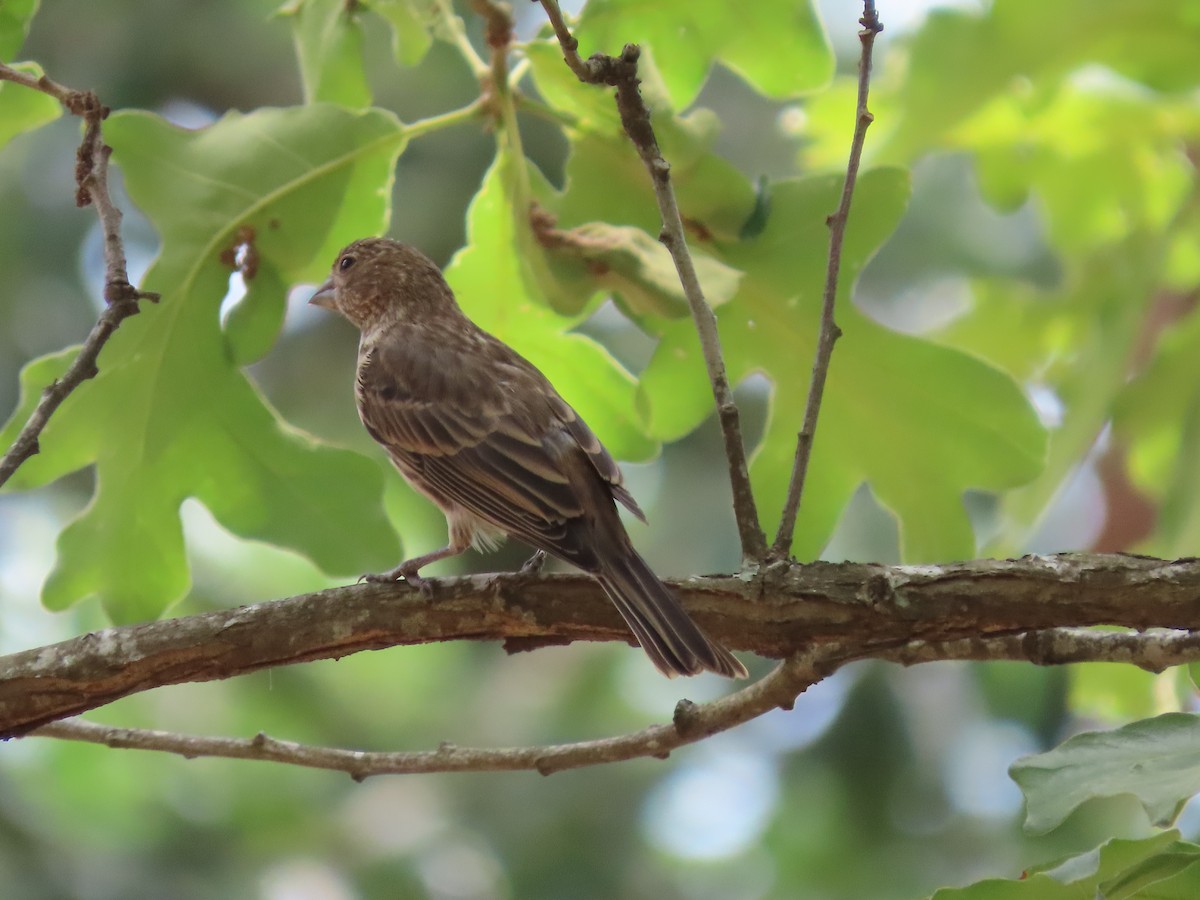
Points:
622	73
786	610
829	332
91	178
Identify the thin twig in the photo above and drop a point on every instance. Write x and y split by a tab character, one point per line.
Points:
829	332
1153	651
91	179
622	73
691	723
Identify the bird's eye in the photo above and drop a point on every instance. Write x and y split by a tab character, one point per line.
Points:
345	262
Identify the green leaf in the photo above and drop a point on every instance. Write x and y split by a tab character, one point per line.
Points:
1117	870
329	49
22	109
1157	760
487	279
411	22
170	415
15	18
638	268
778	46
920	422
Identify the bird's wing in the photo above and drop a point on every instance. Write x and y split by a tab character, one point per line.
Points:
482	428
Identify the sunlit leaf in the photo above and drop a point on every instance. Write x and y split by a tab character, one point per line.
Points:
329	47
22	109
778	46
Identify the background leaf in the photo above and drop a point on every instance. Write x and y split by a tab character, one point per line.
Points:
15	17
686	38
1118	870
1156	760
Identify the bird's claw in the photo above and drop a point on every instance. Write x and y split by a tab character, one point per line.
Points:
424	585
533	565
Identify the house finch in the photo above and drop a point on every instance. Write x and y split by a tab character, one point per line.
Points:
482	433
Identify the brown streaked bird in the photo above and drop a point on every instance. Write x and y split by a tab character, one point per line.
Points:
482	433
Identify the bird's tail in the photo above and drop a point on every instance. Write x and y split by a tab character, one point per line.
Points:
674	643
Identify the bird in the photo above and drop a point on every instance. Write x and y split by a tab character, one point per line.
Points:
482	433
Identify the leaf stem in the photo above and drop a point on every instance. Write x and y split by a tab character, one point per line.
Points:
829	331
422	127
453	29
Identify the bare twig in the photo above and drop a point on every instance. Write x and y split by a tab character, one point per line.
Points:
829	332
691	722
778	613
622	73
1154	651
91	179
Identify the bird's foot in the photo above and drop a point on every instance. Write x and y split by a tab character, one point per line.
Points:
533	565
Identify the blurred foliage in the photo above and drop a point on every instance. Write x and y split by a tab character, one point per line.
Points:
1162	867
1018	299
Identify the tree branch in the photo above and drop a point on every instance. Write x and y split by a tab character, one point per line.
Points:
691	723
1154	651
864	608
829	332
91	179
622	73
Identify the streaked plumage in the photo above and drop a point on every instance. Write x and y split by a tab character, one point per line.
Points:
481	432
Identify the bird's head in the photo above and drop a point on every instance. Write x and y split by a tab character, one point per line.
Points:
378	282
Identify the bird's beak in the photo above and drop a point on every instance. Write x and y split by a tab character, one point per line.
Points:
324	296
